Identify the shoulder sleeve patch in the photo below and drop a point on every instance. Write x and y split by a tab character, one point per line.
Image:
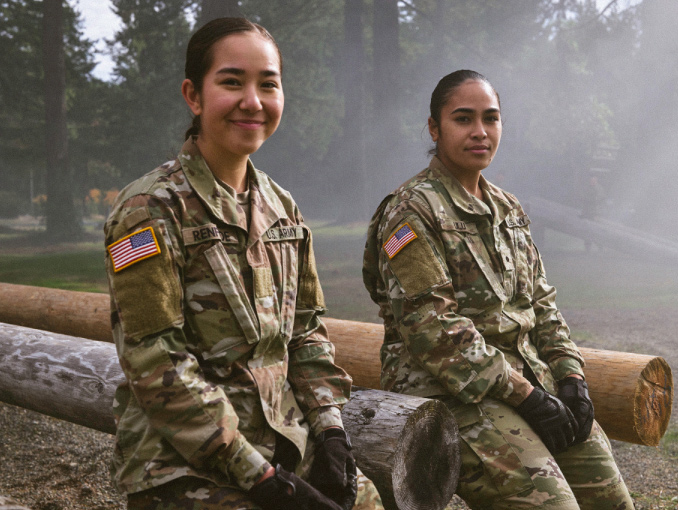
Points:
135	217
148	295
133	248
417	268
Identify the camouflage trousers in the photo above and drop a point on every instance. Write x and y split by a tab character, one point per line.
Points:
198	494
505	466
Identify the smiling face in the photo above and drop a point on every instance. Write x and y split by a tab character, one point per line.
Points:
469	130
241	100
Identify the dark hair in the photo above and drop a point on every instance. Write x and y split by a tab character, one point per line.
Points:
199	52
448	84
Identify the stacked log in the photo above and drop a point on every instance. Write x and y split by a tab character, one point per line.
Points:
632	393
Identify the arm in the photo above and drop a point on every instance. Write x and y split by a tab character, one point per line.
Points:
320	387
425	308
550	335
191	414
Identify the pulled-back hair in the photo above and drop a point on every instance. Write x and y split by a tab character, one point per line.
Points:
448	84
199	52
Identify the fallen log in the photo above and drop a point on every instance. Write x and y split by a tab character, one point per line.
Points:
632	393
409	446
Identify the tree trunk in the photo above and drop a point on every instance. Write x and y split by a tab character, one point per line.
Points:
385	137
633	393
409	446
351	181
59	210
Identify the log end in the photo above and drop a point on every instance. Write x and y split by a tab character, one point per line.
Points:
653	402
425	473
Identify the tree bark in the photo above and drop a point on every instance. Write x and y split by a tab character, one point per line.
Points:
408	446
632	393
60	213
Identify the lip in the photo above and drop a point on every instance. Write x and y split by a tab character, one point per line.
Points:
248	123
478	149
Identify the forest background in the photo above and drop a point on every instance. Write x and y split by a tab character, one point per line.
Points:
587	90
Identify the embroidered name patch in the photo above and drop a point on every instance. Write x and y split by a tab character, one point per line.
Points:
199	234
283	233
133	248
402	237
518	221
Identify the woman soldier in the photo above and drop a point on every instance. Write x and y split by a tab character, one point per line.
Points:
231	389
470	319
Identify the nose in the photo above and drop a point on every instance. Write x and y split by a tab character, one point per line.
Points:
250	101
479	131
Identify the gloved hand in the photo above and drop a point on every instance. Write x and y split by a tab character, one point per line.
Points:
550	419
574	393
334	471
286	491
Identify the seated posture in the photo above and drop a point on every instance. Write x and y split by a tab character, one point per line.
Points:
232	399
470	320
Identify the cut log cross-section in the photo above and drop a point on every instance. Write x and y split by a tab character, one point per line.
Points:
632	393
409	446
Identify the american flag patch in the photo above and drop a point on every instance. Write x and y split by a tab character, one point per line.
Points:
133	248
399	240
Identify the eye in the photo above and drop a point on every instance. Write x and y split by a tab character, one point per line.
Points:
492	118
270	85
230	82
462	119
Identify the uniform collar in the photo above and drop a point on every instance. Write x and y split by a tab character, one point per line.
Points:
266	208
499	207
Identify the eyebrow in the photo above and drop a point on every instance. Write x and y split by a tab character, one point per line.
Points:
239	72
471	110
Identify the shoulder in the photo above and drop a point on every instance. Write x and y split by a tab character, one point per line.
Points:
149	197
415	197
277	195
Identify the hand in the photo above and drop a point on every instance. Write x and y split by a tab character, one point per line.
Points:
286	491
574	393
550	419
334	471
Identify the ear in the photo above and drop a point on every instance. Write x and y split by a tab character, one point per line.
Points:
191	96
433	129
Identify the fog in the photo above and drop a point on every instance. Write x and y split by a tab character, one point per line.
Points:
588	91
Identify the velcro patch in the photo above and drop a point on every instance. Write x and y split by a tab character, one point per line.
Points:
200	234
401	238
517	221
283	234
133	248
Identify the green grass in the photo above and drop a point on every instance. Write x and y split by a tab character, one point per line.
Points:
79	270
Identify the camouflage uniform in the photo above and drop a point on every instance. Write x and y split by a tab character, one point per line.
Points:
217	330
468	314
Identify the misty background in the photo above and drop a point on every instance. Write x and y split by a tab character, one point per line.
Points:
588	91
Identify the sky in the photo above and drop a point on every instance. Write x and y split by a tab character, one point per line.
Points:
99	22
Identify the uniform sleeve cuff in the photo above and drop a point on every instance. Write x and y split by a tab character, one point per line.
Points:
245	464
324	417
562	367
516	389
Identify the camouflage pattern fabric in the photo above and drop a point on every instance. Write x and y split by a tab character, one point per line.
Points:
217	328
505	466
196	494
468	316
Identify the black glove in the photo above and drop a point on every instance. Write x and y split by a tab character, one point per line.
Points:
550	419
286	491
574	393
334	471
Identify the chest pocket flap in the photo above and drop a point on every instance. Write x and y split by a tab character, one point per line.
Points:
229	281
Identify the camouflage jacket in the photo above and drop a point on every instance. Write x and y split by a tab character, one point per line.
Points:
463	295
217	328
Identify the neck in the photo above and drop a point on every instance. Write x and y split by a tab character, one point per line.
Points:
226	167
469	179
